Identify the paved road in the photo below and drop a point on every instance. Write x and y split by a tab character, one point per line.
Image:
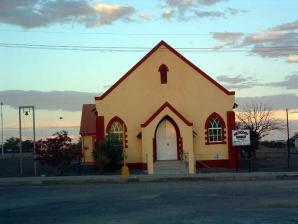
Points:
168	202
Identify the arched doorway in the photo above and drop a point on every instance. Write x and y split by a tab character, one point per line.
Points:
166	140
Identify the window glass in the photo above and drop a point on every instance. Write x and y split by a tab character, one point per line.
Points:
116	131
215	131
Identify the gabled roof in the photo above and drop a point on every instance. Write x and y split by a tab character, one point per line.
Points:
159	110
88	120
163	43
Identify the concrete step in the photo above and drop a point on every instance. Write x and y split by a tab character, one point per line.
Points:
170	167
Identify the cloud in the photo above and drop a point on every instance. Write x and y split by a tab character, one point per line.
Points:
276	102
180	5
227	37
53	100
290	82
209	14
287	26
184	10
233	11
146	15
292	59
238	82
183	5
41	13
168	14
279	41
209	2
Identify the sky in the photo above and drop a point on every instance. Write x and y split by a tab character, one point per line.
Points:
57	55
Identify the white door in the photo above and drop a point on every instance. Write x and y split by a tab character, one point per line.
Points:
166	141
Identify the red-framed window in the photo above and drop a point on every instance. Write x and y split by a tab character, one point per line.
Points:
215	130
115	128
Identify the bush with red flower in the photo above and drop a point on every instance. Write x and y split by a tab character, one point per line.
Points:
57	151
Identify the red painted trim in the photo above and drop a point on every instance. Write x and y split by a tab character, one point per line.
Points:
233	157
223	131
222	163
137	166
178	139
113	120
177	54
100	132
159	110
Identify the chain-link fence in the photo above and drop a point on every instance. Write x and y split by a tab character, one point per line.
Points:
14	165
269	159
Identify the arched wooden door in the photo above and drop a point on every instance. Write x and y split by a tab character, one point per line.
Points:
166	141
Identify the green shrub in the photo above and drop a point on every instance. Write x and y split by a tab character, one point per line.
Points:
108	154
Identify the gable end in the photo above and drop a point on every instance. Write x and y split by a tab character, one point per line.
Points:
162	43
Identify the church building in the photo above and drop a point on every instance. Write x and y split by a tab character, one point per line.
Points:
171	112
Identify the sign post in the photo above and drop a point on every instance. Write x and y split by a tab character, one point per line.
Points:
241	137
124	169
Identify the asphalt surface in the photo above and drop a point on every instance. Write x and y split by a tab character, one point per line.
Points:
274	201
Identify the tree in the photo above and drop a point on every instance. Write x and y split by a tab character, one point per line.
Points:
108	154
13	144
260	120
57	151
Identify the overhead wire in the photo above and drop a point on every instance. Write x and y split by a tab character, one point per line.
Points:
290	48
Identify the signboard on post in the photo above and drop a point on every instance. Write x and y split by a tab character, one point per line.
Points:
241	137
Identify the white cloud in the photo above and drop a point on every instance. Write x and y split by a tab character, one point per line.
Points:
238	82
167	13
40	13
210	14
287	26
184	10
278	41
146	15
227	37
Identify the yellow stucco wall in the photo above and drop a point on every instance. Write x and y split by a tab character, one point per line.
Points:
141	94
87	147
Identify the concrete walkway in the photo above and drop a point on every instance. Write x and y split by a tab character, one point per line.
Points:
117	179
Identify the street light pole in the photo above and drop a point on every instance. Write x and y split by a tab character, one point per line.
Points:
2	149
288	141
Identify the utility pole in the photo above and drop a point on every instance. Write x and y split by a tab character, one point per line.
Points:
20	143
288	141
2	149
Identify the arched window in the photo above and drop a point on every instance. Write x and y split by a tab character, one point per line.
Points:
116	128
116	131
163	69
215	129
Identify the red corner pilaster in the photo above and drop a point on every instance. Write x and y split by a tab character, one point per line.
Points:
233	163
100	131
